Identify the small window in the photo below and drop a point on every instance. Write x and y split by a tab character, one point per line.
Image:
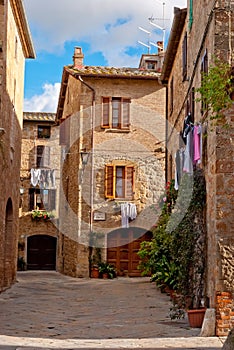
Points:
115	113
43	156
119	181
43	132
151	65
42	199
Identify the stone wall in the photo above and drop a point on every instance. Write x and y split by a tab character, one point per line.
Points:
212	34
11	102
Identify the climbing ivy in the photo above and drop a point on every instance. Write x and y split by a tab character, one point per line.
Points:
217	89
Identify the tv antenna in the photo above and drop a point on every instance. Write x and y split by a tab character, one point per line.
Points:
162	27
148	43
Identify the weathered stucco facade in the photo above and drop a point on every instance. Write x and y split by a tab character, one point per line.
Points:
38	237
15	46
138	146
199	34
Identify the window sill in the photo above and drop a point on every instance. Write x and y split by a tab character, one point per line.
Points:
125	131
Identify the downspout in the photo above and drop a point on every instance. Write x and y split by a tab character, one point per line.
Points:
92	151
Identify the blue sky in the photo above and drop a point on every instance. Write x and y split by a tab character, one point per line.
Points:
107	30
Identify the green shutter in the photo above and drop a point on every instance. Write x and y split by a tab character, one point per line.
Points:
190	14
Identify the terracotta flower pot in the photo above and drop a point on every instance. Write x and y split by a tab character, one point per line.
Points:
195	317
95	273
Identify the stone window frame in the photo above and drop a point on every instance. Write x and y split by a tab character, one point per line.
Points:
43	131
120	106
43	156
49	196
127	180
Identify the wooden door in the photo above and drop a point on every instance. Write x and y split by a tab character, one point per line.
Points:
41	252
123	246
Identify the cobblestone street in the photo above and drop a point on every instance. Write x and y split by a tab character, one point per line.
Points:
46	310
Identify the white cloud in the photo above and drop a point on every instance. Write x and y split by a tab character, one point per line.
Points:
109	26
46	102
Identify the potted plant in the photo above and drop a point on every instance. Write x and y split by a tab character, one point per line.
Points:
41	215
107	270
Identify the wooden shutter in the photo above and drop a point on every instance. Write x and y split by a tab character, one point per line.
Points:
52	199
126	113
46	157
109	181
105	112
129	178
40	150
31	199
190	14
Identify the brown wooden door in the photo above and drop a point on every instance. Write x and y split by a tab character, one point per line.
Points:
123	246
41	252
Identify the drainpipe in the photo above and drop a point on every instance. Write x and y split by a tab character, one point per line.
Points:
92	150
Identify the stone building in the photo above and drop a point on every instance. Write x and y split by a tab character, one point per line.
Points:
39	188
203	31
15	47
112	123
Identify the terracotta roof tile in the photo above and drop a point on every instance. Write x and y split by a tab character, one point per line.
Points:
39	116
112	72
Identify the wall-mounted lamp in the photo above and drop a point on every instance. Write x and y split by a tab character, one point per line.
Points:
21	190
84	157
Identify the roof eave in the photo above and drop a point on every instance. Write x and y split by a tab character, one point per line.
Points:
75	73
173	43
22	25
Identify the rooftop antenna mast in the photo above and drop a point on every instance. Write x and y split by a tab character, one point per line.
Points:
151	19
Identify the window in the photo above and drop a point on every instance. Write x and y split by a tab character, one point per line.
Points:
43	132
42	199
184	58
119	181
151	65
115	112
43	156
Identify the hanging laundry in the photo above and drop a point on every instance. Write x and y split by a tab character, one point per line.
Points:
35	176
196	143
188	154
124	215
52	177
128	212
132	211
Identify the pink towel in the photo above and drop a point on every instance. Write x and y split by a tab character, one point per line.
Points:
196	143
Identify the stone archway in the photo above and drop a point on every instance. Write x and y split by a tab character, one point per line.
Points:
8	261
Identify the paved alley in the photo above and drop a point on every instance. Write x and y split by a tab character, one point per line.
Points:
46	310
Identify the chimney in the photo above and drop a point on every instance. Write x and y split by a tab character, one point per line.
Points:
160	46
78	57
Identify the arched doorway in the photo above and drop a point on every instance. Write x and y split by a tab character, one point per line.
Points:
41	252
9	239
